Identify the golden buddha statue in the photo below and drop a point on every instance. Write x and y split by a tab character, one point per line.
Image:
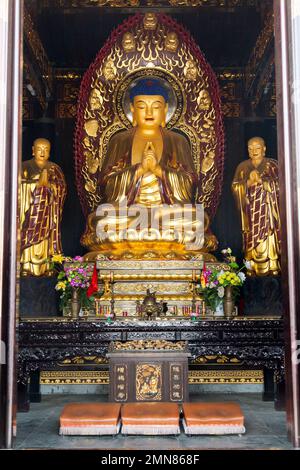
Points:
43	192
256	190
149	167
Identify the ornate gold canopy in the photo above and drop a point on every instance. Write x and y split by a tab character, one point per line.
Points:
150	46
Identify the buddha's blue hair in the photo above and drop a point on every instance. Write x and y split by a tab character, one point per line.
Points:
149	86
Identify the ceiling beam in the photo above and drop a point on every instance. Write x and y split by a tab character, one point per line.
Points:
260	55
133	6
38	72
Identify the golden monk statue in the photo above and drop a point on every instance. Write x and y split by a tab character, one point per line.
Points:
150	167
255	187
43	191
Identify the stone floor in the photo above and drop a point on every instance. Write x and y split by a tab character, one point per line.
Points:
265	428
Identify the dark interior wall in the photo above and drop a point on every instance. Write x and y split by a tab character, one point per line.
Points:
226	224
226	37
73	218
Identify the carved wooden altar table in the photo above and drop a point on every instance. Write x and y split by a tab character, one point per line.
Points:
47	345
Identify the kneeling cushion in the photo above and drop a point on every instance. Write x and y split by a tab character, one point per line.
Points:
150	418
90	419
213	418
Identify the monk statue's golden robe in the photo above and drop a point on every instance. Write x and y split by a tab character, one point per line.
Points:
256	191
43	192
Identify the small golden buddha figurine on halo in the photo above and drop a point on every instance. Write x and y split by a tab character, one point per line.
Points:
204	100
256	190
171	42
150	21
150	167
190	70
128	42
43	192
95	99
109	70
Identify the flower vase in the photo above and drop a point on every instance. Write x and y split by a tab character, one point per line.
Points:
75	304
228	302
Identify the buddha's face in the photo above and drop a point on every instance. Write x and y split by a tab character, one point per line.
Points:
256	148
41	152
149	111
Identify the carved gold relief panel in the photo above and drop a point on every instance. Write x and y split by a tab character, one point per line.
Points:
148	382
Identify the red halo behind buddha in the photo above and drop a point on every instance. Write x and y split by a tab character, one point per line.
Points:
156	47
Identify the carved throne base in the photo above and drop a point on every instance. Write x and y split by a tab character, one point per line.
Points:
127	281
147	250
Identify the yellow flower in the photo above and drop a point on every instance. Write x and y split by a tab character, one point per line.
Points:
61	285
58	258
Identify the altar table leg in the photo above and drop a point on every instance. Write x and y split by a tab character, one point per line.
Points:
34	390
268	394
279	402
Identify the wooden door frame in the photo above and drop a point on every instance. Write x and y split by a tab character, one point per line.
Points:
10	144
289	207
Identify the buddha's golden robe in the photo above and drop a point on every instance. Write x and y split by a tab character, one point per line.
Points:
259	209
177	185
172	196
